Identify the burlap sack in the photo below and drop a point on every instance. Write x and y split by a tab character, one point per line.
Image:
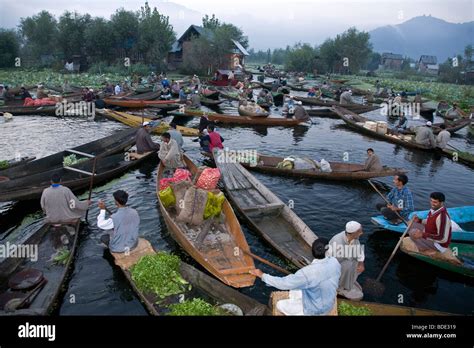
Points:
194	204
179	190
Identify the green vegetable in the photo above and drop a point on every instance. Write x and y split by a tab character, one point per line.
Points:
62	257
159	274
344	308
196	307
4	164
71	160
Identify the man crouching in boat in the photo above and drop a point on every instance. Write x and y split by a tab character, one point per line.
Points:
124	223
433	234
60	204
346	248
312	288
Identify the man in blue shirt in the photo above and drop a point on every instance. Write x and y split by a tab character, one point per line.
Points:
401	201
313	289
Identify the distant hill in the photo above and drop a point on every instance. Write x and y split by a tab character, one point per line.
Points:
424	35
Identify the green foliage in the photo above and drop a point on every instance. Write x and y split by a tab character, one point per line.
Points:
39	33
345	308
4	164
72	160
210	22
97	45
159	274
301	58
62	256
70	37
9	48
195	307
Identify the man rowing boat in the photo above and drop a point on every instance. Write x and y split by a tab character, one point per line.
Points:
312	288
401	201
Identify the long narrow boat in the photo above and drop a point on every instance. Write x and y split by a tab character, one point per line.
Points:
137	103
460	215
143	96
136	121
202	286
357	108
375	309
217	254
356	122
322	112
464	252
31	186
45	291
266	213
244	120
29	110
7	164
115	143
451	127
340	170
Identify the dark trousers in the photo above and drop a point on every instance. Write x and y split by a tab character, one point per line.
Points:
387	213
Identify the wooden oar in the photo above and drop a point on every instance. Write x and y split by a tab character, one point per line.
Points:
375	287
91	184
278	268
451	146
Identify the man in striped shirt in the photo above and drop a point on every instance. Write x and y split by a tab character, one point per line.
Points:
434	233
401	201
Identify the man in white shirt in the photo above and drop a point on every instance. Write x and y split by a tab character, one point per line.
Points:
345	246
443	137
118	89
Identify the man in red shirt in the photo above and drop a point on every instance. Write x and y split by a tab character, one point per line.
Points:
434	233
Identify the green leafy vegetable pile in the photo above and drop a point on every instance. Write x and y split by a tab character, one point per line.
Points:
159	274
72	159
345	308
195	306
4	164
61	257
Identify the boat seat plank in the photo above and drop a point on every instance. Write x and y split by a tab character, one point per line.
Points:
267	208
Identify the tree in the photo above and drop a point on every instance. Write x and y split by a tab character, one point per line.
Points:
210	22
374	61
9	48
301	58
125	30
39	33
468	52
98	49
156	35
70	37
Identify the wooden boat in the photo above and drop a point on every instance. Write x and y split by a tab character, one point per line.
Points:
31	187
137	103
322	112
376	309
298	88
356	122
219	258
144	96
460	215
338	82
464	252
244	120
340	170
357	108
49	239
451	127
202	286
266	213
230	95
210	102
137	121
29	110
256	111
115	143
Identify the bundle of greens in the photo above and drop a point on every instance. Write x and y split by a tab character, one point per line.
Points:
345	308
197	307
71	160
4	164
159	274
61	256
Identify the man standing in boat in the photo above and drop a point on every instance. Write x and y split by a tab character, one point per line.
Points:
60	204
346	247
124	224
401	201
433	234
313	289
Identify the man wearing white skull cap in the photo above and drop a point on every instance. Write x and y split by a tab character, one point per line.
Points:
345	246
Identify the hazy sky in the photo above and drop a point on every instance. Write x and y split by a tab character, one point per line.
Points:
268	23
